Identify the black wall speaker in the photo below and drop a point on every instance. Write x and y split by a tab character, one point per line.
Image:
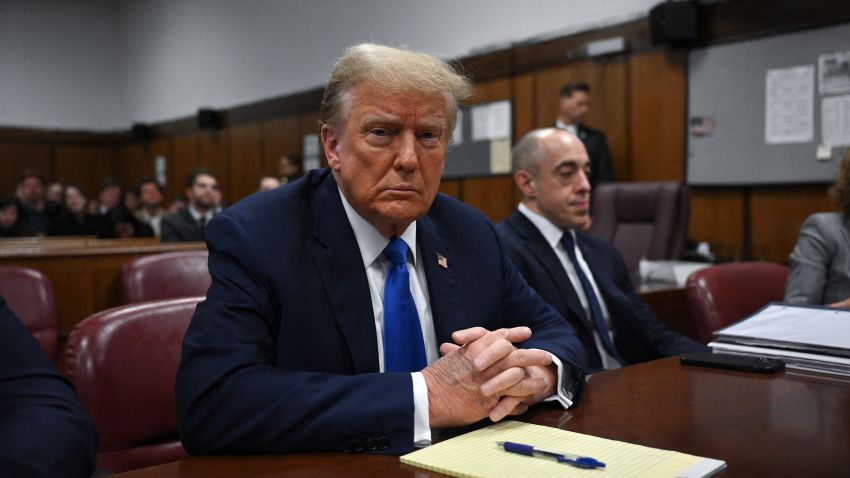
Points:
673	22
141	133
207	118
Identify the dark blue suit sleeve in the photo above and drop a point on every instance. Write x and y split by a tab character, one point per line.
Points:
44	431
237	393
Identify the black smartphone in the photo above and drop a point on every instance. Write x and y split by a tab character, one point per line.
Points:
734	362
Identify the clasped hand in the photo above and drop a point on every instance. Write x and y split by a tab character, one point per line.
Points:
483	374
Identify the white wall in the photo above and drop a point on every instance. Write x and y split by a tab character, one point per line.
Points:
59	65
179	55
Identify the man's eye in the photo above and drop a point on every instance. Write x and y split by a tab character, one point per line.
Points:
379	132
429	135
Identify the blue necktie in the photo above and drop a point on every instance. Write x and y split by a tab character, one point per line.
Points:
404	349
595	308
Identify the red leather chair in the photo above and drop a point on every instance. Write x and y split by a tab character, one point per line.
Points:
724	294
165	276
29	294
642	219
123	363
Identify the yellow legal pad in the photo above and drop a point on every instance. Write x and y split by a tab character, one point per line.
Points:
475	454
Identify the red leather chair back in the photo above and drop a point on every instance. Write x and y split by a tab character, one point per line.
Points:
29	294
724	294
123	363
642	219
165	276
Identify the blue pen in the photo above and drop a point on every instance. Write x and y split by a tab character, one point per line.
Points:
575	460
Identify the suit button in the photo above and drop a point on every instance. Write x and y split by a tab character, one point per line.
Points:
383	443
359	446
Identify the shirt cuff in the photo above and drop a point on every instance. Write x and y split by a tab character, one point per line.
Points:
421	424
558	395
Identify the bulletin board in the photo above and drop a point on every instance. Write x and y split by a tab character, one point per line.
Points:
482	141
773	110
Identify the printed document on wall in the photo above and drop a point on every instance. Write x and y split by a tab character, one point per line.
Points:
789	105
835	120
834	72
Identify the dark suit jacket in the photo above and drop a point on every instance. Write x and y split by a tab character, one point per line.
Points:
180	226
638	335
66	224
282	355
601	169
44	431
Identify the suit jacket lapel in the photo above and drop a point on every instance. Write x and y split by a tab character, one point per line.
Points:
337	258
446	307
581	132
538	246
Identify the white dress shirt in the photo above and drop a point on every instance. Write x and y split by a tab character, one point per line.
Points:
197	215
572	128
553	235
372	244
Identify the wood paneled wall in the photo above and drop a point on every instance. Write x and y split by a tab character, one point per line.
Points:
638	99
239	155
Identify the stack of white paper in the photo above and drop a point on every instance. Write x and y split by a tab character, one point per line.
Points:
805	337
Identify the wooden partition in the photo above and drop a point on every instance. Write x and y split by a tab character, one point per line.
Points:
85	272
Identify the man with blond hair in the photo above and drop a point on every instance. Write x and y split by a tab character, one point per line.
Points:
356	309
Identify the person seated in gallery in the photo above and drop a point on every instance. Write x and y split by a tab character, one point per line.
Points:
74	219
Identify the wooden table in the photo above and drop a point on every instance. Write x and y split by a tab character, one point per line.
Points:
790	424
85	272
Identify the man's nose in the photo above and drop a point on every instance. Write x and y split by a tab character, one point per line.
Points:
407	158
583	181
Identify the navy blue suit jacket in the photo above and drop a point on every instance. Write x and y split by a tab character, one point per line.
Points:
44	431
638	335
282	355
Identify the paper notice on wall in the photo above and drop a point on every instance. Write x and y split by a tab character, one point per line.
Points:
491	121
311	152
500	156
835	120
834	69
311	145
500	122
789	105
480	122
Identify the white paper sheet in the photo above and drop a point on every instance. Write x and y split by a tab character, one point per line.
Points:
835	120
789	105
311	145
811	326
834	72
491	121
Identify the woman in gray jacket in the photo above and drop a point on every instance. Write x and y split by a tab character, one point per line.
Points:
820	263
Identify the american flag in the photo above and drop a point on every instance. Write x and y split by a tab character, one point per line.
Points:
442	261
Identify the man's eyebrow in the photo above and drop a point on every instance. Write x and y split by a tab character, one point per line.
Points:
433	122
567	163
380	118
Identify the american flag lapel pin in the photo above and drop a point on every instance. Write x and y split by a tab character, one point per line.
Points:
442	261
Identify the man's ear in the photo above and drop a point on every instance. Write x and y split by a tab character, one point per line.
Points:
330	143
525	181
